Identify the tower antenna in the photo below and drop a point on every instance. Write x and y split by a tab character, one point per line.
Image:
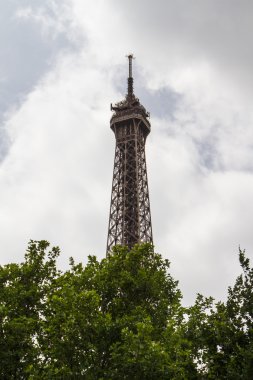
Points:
130	80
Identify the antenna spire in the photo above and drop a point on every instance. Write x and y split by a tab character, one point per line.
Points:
130	81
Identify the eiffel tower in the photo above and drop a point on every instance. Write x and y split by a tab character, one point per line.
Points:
130	217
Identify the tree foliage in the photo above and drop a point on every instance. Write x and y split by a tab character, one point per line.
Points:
119	318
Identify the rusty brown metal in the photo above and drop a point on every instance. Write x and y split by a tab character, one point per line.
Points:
130	216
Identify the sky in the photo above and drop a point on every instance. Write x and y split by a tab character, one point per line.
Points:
61	65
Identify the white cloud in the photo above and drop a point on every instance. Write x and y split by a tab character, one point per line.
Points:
51	21
52	179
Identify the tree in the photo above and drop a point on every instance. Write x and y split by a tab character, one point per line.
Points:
119	318
239	310
23	295
222	333
78	323
94	312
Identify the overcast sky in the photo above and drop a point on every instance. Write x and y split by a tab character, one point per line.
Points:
61	65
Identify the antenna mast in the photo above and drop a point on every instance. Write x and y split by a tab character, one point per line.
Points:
130	81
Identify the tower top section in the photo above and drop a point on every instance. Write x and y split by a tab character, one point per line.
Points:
131	104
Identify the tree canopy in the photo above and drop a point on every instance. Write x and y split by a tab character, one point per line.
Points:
119	318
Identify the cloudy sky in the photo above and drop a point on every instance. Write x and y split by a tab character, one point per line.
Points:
61	65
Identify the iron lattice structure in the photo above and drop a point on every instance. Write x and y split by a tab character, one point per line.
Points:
130	217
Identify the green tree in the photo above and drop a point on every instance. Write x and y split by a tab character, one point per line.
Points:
23	295
95	312
77	324
239	310
119	318
222	333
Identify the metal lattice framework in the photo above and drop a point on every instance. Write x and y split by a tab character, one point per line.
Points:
130	217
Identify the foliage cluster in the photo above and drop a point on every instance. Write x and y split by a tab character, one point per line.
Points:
119	318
